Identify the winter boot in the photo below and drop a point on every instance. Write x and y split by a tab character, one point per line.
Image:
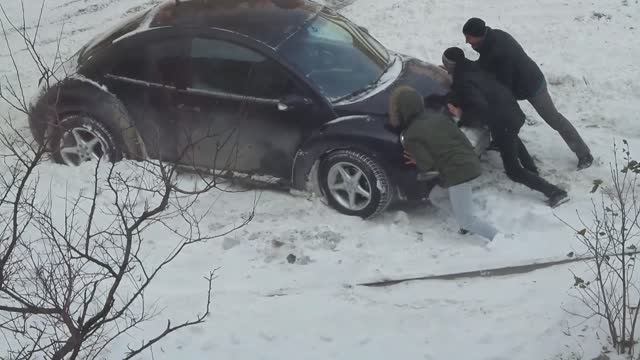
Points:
585	162
558	198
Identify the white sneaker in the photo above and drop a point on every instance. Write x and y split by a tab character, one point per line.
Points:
500	238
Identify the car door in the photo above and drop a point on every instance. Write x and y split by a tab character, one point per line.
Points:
147	74
242	111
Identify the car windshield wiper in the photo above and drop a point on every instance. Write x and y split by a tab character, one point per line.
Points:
357	92
369	86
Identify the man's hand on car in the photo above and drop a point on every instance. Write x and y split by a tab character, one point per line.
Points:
455	111
409	160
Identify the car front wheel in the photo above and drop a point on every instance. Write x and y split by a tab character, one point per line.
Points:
355	184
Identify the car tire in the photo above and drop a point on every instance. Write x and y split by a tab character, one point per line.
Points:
78	103
355	184
80	138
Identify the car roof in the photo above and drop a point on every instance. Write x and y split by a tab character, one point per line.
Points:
268	21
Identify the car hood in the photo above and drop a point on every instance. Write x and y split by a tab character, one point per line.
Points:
426	78
368	113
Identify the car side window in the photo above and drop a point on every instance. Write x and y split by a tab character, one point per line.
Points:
165	63
169	63
226	67
131	66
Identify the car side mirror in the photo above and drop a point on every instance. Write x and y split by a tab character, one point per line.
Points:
293	102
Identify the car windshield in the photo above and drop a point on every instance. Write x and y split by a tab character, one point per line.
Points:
336	55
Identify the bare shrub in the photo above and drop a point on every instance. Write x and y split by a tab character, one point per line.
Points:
610	239
75	263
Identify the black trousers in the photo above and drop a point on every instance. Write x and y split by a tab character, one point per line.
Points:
525	158
517	161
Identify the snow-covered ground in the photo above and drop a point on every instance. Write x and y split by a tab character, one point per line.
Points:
266	308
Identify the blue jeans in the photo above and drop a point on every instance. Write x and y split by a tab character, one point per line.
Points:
462	204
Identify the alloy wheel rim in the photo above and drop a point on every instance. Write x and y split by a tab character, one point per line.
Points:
349	186
81	145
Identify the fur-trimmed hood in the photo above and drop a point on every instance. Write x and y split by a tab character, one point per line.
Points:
405	105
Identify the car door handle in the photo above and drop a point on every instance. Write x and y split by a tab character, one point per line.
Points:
188	108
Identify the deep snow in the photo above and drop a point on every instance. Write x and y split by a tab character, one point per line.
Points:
267	308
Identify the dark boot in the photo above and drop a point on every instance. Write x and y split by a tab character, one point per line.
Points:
558	198
585	162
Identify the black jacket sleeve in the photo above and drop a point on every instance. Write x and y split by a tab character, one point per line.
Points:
474	104
504	57
506	69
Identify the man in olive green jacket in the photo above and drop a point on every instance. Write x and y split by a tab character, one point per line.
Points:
436	143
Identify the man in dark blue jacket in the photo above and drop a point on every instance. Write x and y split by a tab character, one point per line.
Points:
502	55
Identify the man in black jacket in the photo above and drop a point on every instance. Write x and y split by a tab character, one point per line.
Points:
483	99
502	55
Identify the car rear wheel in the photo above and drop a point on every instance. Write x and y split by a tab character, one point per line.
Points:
355	184
80	120
81	139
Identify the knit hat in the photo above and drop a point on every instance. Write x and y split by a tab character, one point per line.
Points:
474	27
451	56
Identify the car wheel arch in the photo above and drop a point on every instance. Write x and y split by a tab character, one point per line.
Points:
310	155
68	98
